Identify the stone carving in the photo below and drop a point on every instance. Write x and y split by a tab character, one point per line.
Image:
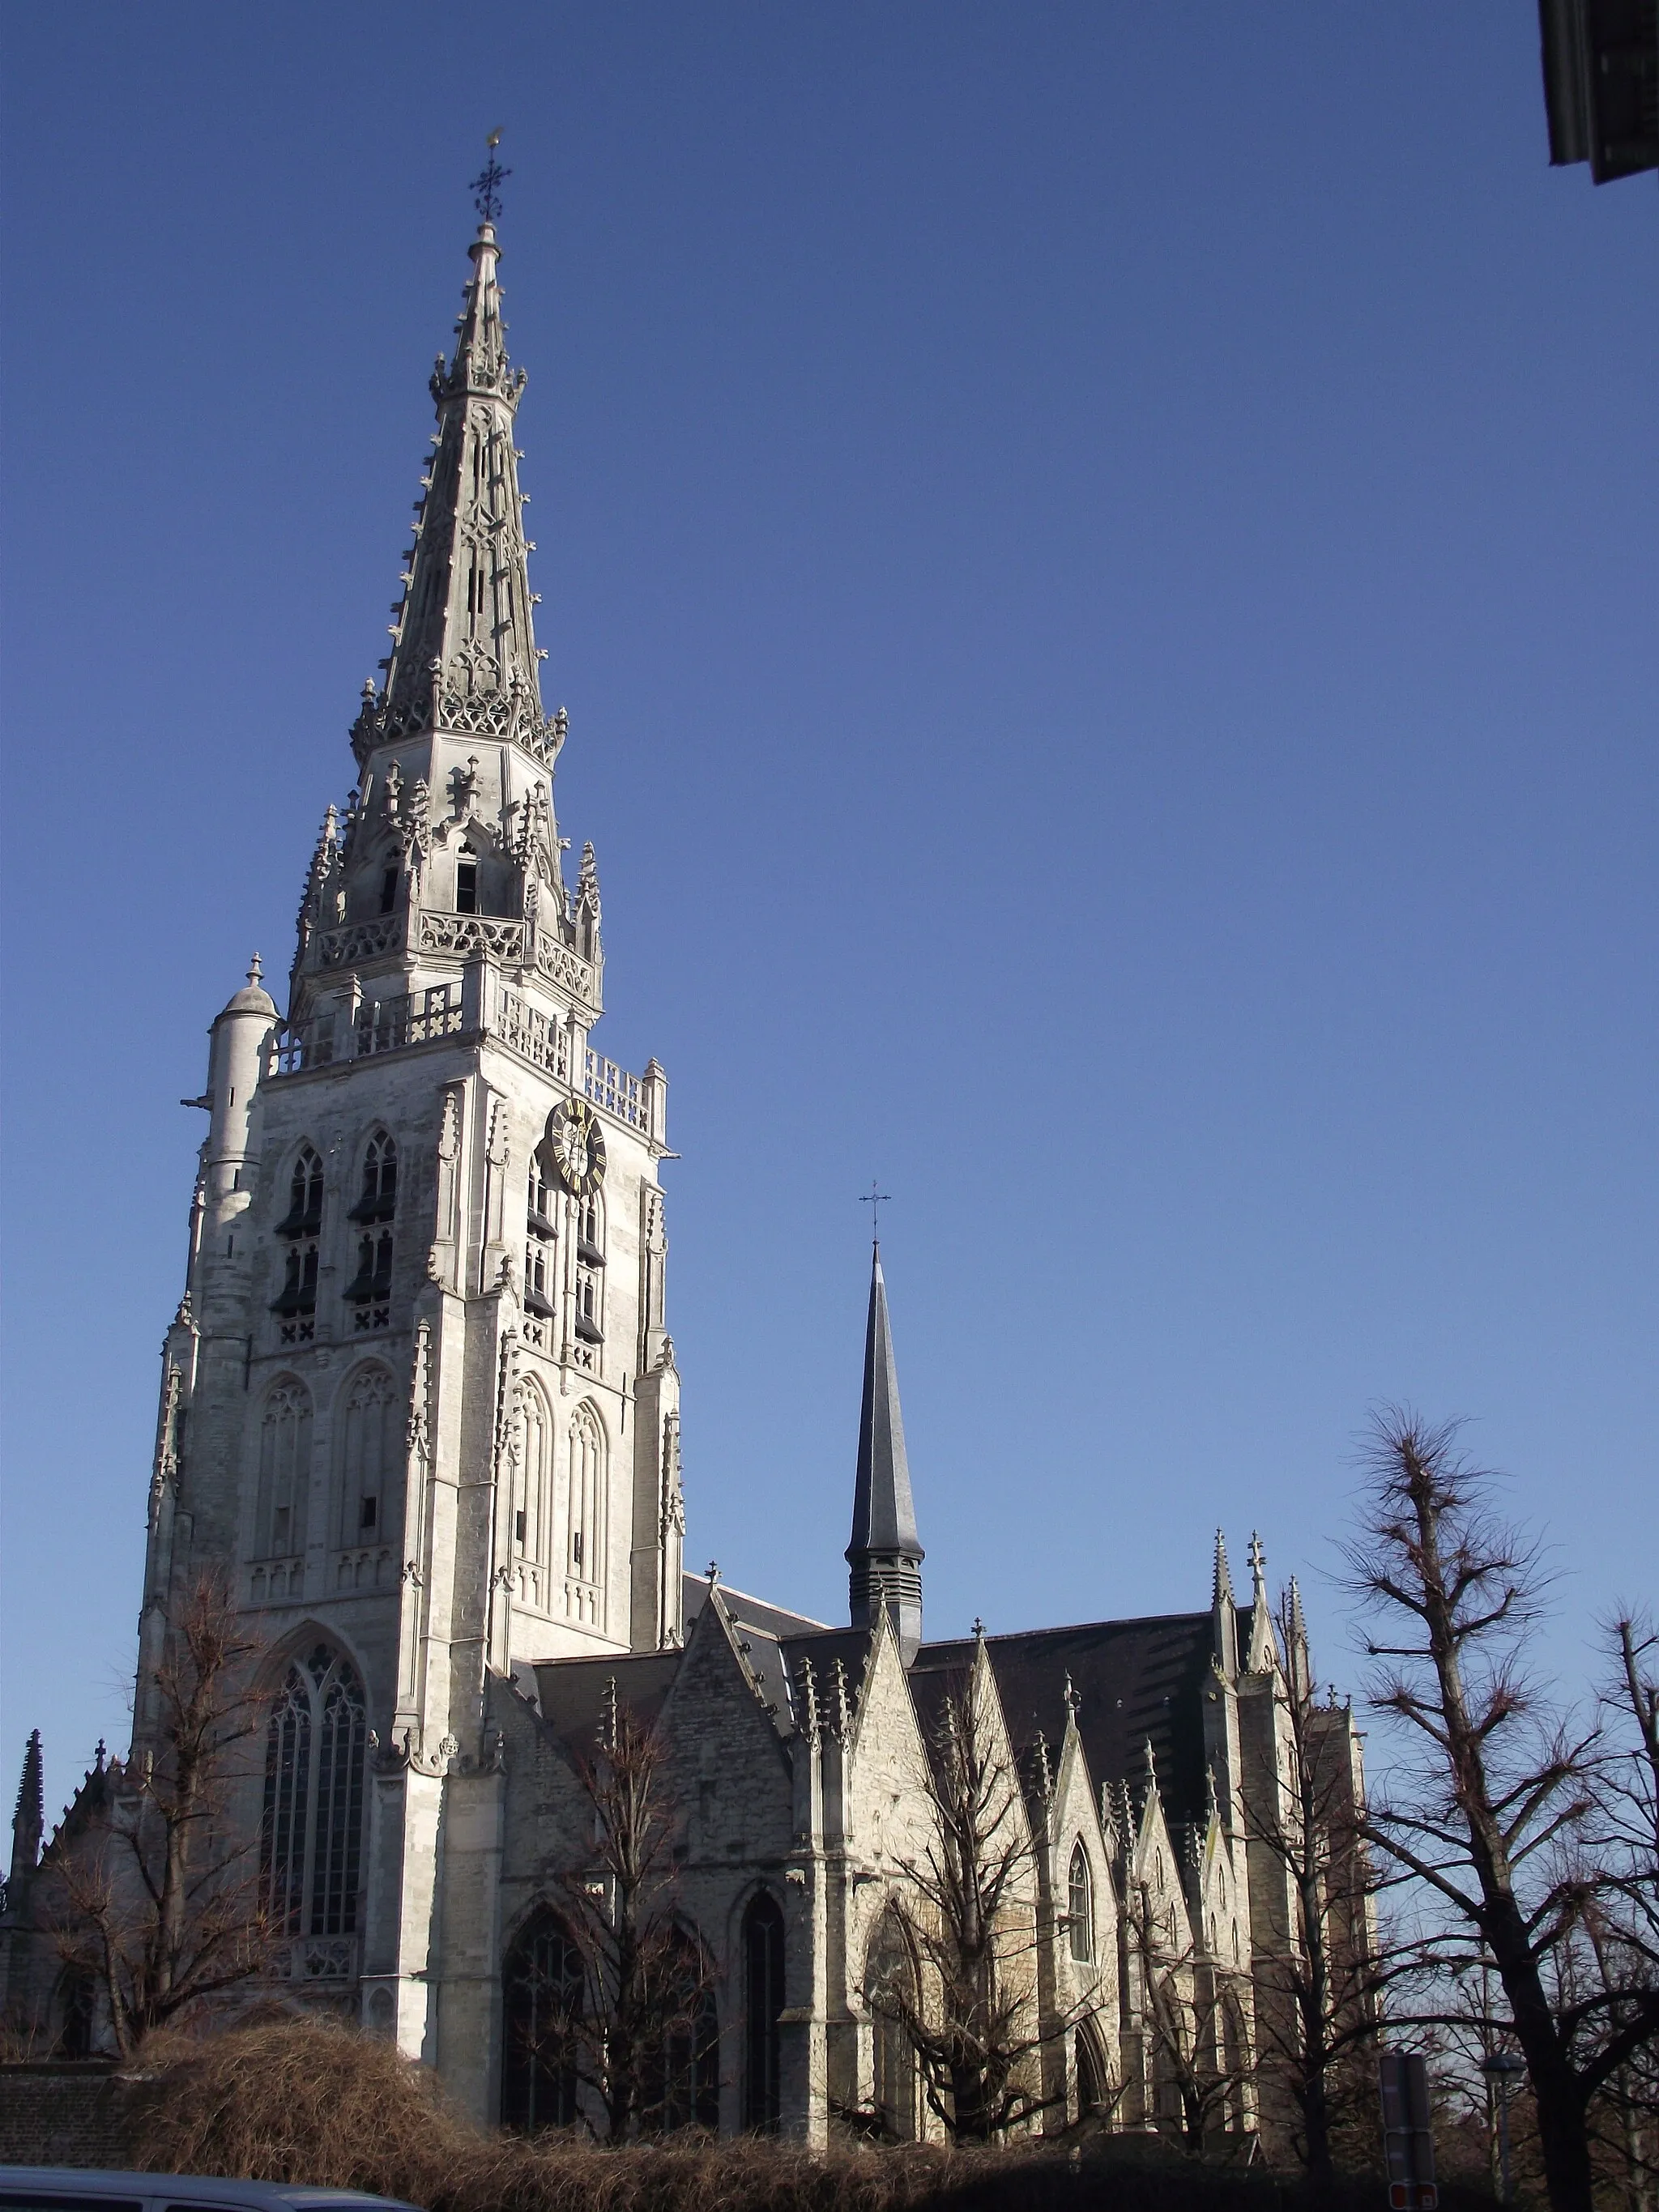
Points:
468	933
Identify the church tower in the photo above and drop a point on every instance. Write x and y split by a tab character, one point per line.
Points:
418	1403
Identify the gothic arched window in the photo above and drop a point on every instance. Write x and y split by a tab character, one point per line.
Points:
590	1270
284	1471
304	1217
295	1303
542	1999
312	1835
889	1989
532	1477
370	1441
1090	2075
682	2087
763	2002
585	1520
1080	1906
466	881
378	1198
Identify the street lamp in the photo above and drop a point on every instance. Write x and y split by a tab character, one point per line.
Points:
1501	2068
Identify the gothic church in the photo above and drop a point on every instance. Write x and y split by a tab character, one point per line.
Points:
419	1400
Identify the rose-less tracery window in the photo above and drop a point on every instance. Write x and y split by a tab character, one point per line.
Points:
312	1836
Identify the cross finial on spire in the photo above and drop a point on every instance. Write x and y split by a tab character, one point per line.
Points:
875	1198
1258	1557
486	186
714	1572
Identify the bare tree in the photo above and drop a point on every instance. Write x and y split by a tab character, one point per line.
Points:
639	2027
160	1901
971	2017
1491	1815
1318	1993
1190	2019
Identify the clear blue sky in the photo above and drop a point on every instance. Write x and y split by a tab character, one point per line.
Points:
1102	563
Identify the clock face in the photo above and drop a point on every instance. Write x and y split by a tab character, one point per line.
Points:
577	1147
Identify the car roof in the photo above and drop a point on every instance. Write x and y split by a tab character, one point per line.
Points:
179	2188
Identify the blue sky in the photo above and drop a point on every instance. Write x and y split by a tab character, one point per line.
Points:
1102	565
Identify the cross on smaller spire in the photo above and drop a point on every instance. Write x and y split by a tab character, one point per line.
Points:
875	1198
1258	1557
486	186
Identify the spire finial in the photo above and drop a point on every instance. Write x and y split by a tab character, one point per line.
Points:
255	969
875	1198
486	186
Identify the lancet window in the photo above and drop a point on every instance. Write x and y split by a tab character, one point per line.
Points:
889	1983
590	1271
1080	1907
682	2085
540	1252
378	1200
369	1450
585	1521
466	882
532	1486
310	1837
284	1471
369	1290
295	1305
542	1999
762	1993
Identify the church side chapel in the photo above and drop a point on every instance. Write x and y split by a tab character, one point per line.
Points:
420	1409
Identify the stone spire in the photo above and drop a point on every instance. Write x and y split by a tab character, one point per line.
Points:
28	1822
885	1553
1224	1613
464	654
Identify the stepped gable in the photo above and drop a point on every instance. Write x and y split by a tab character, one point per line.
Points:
1135	1681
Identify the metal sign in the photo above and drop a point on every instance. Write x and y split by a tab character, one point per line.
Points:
1407	2143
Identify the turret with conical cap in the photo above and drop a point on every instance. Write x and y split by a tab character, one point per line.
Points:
885	1553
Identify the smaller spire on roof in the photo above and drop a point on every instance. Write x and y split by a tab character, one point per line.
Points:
28	1822
1222	1585
885	1555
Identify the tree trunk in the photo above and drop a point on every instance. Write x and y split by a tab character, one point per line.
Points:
1557	2093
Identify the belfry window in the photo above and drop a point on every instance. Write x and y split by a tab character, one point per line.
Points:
1080	1907
304	1217
389	888
540	1251
369	1290
311	1833
466	884
379	1199
590	1278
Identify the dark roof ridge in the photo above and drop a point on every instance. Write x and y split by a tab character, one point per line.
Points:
1064	1628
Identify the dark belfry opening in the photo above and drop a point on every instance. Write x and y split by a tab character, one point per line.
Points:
389	889
466	886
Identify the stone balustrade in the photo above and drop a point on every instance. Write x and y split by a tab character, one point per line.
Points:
482	1003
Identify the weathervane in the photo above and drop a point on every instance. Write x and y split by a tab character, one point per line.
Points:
875	1199
486	186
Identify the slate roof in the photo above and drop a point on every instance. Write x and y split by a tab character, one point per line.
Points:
570	1693
752	1611
1134	1680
